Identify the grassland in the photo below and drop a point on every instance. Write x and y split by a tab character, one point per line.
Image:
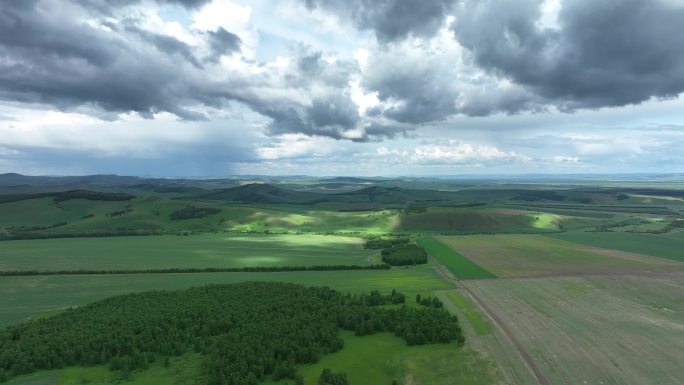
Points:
169	251
25	297
181	370
382	358
669	245
479	322
368	360
152	214
595	330
460	266
525	255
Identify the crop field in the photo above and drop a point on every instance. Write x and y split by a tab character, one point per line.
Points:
25	297
669	245
460	266
169	251
529	255
595	330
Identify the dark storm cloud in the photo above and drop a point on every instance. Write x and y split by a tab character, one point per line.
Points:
106	6
390	20
605	53
223	42
51	58
330	113
56	59
166	44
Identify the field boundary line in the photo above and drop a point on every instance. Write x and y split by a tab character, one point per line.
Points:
529	363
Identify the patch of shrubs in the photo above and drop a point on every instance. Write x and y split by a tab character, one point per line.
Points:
120	212
402	255
328	377
245	332
193	212
398	251
429	301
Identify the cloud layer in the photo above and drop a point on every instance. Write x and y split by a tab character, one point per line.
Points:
342	76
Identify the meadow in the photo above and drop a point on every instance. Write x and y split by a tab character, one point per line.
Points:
460	266
171	251
527	255
594	330
375	359
24	297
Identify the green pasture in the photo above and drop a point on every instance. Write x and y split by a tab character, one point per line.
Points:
172	251
460	266
382	358
477	320
25	297
525	255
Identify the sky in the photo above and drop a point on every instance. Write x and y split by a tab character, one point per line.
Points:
341	87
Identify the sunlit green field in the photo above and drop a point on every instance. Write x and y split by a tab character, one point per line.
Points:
170	251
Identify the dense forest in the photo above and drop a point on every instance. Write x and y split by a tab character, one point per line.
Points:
245	331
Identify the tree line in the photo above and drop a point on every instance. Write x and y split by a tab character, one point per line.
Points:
246	332
191	212
252	269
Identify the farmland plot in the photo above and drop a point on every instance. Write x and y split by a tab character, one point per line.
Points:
595	330
536	255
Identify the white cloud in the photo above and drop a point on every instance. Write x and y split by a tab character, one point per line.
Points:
456	152
222	13
291	146
564	159
452	152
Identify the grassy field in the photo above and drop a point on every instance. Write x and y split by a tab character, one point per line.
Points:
477	320
25	297
595	330
181	370
536	255
660	245
368	360
170	251
382	358
460	266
